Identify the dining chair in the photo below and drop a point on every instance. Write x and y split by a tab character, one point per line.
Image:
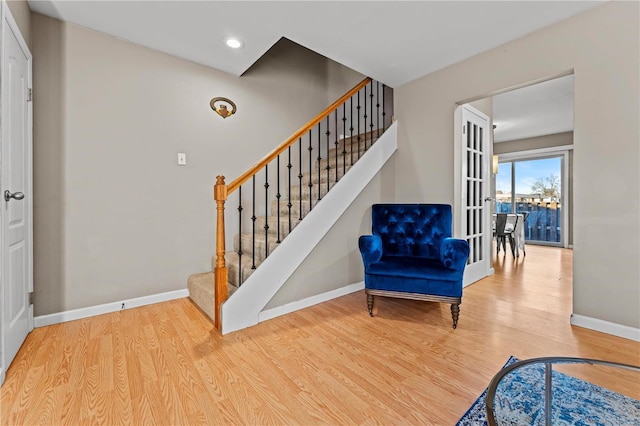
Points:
504	229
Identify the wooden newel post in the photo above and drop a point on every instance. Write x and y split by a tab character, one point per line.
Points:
220	272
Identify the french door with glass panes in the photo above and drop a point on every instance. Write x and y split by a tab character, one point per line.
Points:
475	203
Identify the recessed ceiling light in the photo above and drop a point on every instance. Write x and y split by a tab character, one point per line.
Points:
234	43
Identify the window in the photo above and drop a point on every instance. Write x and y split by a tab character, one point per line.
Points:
534	185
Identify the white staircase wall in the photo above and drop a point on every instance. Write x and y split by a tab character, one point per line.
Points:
243	309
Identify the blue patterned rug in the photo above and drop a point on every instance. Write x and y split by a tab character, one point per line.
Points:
520	401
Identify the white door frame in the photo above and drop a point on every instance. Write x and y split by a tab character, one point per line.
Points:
460	171
9	23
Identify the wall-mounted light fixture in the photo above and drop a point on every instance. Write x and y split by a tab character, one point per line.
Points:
222	109
495	164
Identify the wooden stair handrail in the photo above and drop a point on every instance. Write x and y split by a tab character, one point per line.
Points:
294	138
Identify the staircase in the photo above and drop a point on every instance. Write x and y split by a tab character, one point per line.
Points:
314	175
303	199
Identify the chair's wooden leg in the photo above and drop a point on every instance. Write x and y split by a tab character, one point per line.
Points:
370	303
455	313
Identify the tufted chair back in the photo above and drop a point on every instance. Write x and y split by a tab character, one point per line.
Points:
415	230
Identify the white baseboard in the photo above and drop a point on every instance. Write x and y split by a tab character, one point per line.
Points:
602	326
90	311
309	301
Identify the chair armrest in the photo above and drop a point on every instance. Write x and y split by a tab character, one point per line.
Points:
370	249
454	253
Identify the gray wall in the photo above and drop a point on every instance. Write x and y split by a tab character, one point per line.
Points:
22	15
540	142
602	47
115	217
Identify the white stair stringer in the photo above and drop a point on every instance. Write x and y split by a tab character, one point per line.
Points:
243	309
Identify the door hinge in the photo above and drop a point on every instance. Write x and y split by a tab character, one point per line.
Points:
464	129
29	95
31	298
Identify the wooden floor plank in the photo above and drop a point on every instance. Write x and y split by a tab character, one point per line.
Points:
327	364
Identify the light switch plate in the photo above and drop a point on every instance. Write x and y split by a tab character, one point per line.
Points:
182	159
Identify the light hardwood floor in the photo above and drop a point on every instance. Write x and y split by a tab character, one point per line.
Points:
328	364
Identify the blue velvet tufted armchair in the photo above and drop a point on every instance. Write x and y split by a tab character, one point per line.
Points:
411	255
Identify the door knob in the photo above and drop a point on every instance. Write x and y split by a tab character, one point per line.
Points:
488	199
16	195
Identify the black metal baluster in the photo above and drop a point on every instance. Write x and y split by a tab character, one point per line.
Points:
358	114
278	195
300	175
371	112
337	144
318	166
328	166
344	139
310	175
253	229
384	125
239	235
378	108
266	210
351	138
365	121
289	205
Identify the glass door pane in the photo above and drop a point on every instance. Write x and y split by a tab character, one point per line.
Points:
538	191
503	188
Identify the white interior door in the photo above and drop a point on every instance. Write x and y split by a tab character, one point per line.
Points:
17	193
475	214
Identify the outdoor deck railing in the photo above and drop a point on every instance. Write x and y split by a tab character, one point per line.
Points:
543	223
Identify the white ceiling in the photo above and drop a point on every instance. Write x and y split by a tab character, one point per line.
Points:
392	41
541	109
